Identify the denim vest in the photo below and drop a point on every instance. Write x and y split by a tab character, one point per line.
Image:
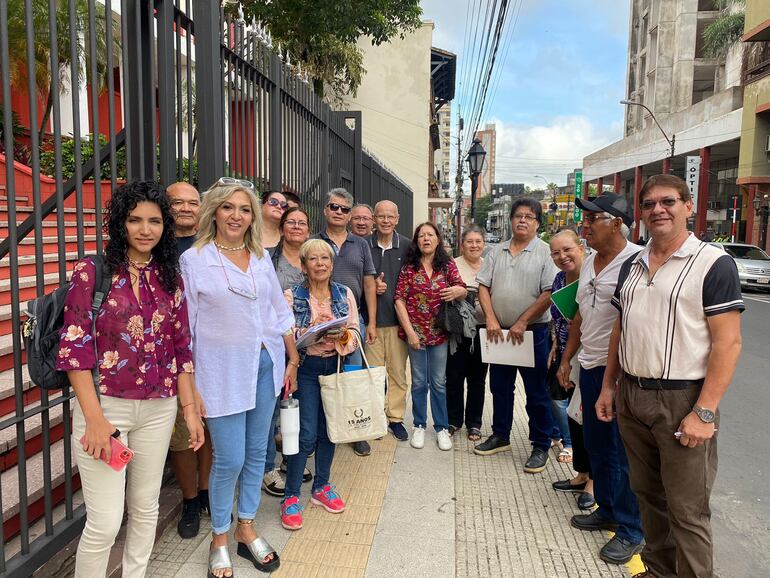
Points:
301	295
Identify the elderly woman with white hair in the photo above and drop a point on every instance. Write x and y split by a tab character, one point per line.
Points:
241	330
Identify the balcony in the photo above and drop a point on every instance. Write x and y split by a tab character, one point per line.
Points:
756	62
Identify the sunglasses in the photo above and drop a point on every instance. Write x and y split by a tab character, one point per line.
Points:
335	208
668	202
273	202
228	181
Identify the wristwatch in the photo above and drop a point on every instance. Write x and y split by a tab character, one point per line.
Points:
705	415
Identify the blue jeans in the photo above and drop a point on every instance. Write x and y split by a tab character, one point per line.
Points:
312	426
609	465
559	407
240	442
502	382
429	372
271	449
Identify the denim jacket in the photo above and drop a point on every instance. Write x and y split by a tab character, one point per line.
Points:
301	298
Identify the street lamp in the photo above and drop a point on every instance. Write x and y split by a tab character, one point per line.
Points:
670	141
476	156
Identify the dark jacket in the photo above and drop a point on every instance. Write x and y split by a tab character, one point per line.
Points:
388	262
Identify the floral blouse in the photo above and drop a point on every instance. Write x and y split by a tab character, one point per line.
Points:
422	297
141	348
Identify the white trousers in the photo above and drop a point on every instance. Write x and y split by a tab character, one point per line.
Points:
145	427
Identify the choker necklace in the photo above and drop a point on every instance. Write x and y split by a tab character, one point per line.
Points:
226	248
139	264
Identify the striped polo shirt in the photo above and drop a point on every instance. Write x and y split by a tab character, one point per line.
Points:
664	328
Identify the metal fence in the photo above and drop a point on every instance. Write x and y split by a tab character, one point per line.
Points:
132	89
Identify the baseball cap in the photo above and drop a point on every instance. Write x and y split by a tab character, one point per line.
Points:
615	205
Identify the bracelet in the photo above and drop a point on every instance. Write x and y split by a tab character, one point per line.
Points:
294	363
188	404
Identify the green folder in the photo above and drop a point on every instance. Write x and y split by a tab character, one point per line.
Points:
564	299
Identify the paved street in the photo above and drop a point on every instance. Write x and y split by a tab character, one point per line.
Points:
741	499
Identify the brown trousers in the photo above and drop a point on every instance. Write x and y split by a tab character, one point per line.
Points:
672	482
391	351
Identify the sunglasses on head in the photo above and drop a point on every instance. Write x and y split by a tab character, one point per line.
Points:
273	202
228	181
335	208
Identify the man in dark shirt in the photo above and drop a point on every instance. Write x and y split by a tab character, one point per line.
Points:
388	254
190	468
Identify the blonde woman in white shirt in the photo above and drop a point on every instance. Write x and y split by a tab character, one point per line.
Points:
241	328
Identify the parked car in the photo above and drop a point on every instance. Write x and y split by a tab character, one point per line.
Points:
753	264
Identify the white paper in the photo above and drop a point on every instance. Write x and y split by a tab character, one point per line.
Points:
315	333
505	352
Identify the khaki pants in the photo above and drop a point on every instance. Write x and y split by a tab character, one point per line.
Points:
672	482
391	352
145	427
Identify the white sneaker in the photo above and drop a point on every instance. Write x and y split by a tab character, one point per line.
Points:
418	438
444	441
273	484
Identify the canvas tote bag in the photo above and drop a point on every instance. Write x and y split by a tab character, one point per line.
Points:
354	403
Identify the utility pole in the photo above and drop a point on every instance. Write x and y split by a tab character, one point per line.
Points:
459	183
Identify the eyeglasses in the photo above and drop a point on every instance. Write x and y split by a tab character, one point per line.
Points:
668	202
273	202
593	217
335	208
361	219
293	223
385	217
228	181
251	295
527	218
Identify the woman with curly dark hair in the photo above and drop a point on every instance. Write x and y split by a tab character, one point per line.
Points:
428	277
139	344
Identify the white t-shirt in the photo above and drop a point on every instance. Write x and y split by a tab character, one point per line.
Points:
594	297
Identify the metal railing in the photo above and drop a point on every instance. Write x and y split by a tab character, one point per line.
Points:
178	90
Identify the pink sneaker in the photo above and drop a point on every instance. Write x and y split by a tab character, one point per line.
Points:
291	513
328	499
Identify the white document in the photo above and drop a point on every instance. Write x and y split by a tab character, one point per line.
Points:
505	352
316	332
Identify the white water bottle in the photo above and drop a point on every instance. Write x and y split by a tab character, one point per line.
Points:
289	409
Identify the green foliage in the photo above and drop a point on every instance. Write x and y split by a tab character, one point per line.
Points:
47	159
725	31
322	35
482	207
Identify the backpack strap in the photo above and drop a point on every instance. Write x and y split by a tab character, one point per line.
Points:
101	289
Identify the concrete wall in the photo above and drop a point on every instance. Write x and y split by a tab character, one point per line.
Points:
755	130
757	13
394	98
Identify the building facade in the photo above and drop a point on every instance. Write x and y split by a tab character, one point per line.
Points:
488	138
679	103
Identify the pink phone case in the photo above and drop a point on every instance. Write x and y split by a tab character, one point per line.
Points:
121	454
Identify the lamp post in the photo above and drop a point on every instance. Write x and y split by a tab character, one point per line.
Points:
670	141
475	158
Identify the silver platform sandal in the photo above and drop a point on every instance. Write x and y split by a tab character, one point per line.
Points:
219	559
256	551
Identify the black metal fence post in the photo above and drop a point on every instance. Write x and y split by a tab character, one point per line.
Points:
275	146
166	87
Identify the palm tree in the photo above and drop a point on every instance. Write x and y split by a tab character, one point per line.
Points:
47	80
726	30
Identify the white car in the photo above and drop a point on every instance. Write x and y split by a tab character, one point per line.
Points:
753	264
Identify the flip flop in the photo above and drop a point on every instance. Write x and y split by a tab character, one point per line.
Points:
565	456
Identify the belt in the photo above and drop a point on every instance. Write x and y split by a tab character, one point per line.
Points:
534	326
650	383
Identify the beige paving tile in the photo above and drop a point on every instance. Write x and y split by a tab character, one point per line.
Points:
362	514
346	555
315	529
337	572
366	497
353	533
375	469
304	550
318	513
368	482
296	570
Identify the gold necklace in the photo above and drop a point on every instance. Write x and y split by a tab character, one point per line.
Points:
138	264
226	248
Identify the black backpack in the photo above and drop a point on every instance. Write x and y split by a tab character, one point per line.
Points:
42	330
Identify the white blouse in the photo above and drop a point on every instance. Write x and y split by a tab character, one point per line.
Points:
229	327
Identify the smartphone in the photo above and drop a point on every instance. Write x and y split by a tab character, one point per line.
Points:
121	453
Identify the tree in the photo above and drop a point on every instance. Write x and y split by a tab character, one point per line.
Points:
46	81
726	30
482	207
322	35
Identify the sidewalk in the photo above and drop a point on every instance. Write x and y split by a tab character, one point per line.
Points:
422	513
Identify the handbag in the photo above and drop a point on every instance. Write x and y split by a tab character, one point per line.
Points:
555	389
354	402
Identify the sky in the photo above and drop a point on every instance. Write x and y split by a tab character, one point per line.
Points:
560	81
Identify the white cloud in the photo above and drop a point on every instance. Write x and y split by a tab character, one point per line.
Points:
551	150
